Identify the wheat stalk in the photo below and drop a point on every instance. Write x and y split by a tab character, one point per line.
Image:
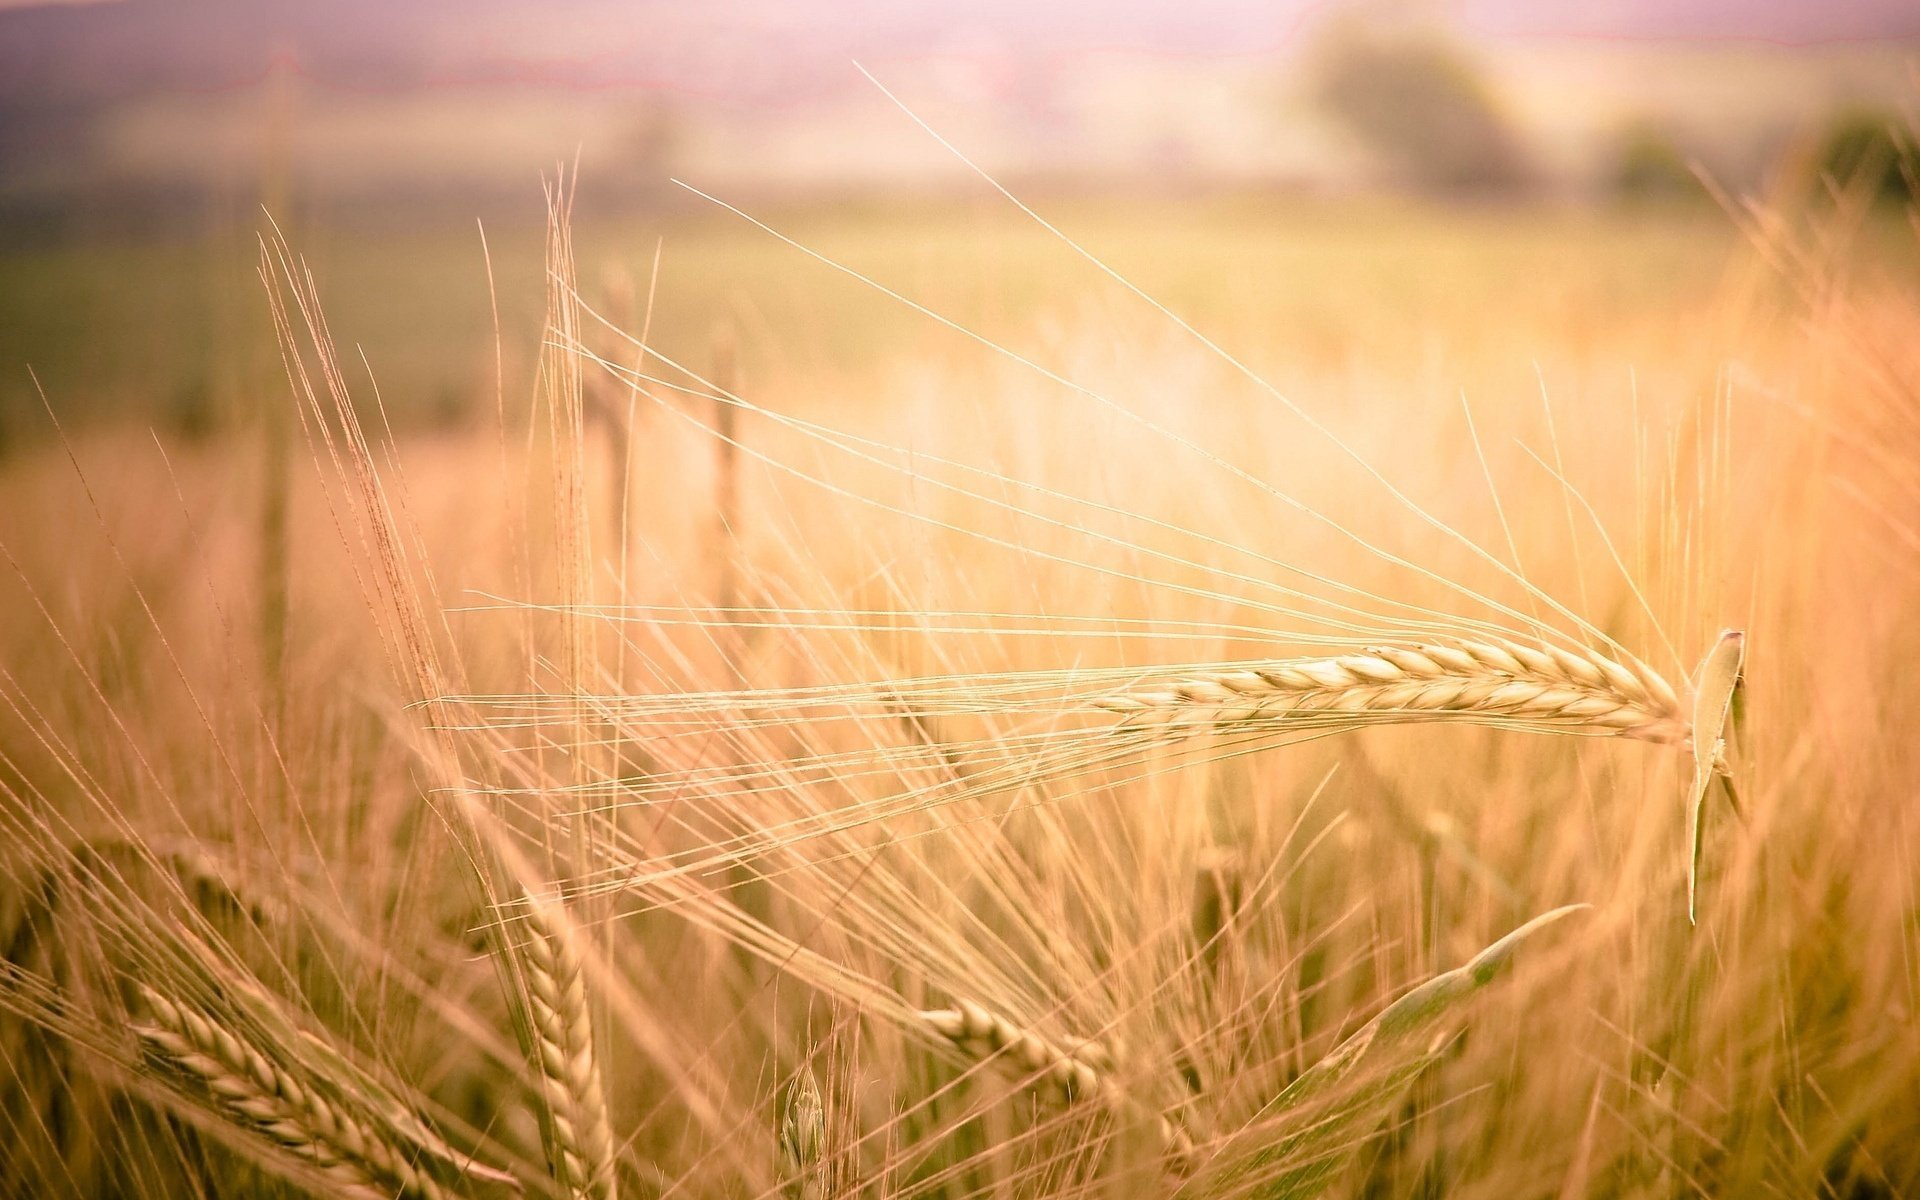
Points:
264	1096
569	1069
1065	1075
1483	679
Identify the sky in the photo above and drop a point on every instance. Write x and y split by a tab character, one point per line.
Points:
150	99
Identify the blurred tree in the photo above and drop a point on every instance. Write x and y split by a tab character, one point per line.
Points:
1873	152
1417	102
192	413
1650	166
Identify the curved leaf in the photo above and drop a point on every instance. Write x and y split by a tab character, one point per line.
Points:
1714	685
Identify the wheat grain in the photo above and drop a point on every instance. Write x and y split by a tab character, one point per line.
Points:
1065	1075
262	1095
569	1069
1486	680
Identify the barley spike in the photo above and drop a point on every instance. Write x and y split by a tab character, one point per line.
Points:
569	1069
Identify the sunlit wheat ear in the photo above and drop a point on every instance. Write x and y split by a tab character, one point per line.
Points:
583	1156
803	1140
1715	686
1328	1110
1078	1074
1480	680
252	1090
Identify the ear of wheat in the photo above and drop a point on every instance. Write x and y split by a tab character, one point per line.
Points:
1485	679
1329	1107
803	1139
1063	722
256	1092
583	1156
1064	1075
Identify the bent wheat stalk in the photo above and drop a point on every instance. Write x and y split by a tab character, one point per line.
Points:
1497	681
1063	1075
569	1070
261	1095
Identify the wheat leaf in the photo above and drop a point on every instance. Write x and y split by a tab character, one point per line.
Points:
1713	697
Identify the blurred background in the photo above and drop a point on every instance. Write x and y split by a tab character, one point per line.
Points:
139	142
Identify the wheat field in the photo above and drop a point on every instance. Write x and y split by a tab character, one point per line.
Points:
1134	712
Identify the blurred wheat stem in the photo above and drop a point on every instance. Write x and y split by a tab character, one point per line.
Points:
1488	680
1063	1075
251	1088
569	1070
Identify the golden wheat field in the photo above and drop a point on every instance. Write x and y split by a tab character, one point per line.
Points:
1210	699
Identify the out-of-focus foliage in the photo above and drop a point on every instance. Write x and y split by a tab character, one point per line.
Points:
1649	165
1873	152
1419	104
